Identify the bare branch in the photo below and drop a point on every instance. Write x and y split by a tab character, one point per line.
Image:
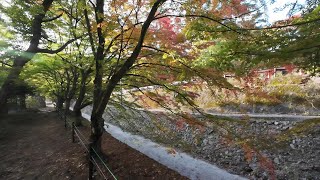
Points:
219	21
85	104
4	63
48	51
52	19
271	27
153	48
175	69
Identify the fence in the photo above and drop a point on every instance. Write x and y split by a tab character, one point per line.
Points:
93	157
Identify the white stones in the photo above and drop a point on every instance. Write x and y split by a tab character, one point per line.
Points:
183	163
292	146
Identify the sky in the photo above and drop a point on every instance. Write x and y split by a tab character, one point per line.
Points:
275	16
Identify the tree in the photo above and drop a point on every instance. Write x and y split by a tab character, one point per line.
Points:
100	50
34	30
247	46
122	37
304	47
49	75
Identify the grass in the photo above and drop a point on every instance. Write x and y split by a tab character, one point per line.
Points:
300	129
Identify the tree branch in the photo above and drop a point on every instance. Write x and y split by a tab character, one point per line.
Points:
271	27
85	104
48	51
175	69
201	16
52	19
4	63
153	48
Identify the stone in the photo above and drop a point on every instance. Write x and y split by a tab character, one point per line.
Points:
253	166
247	169
205	142
292	146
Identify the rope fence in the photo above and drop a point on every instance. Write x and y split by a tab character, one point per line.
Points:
92	153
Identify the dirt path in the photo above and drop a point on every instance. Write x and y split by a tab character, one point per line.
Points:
37	146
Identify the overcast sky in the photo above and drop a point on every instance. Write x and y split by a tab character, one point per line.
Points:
275	16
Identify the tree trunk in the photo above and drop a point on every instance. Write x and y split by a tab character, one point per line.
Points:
96	119
67	106
22	102
7	87
78	105
97	130
4	108
78	117
71	89
41	101
59	103
77	111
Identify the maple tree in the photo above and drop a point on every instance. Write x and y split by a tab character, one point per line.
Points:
130	48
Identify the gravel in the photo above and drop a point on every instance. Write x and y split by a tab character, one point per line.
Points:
253	148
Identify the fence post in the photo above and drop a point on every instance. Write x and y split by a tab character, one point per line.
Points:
59	113
65	119
90	161
73	129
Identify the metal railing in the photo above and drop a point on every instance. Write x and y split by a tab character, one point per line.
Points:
93	157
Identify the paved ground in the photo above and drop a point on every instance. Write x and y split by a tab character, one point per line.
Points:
278	117
269	116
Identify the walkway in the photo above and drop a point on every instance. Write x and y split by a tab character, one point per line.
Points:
37	146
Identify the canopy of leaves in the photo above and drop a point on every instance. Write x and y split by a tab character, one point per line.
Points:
47	74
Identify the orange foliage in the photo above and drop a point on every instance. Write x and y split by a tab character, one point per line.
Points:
248	152
268	165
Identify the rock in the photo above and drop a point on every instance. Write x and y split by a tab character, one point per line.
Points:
253	166
276	160
247	169
292	146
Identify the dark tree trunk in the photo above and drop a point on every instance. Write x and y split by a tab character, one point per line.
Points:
78	105
78	117
9	84
97	130
72	85
67	106
41	101
96	119
59	103
4	109
67	93
20	61
22	102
